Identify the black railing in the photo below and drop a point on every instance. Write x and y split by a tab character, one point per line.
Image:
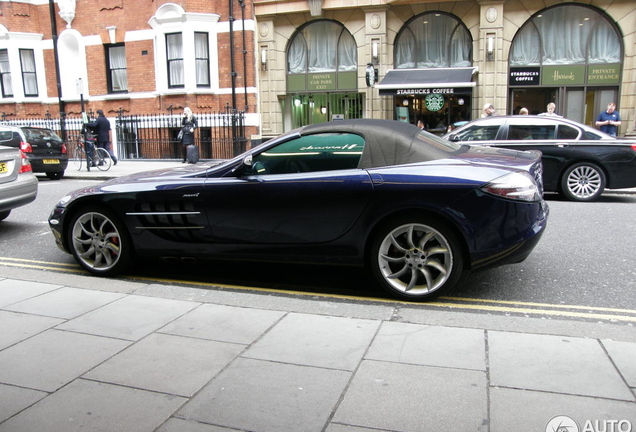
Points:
220	135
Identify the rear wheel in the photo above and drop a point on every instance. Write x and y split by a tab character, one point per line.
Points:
102	159
99	242
416	258
583	181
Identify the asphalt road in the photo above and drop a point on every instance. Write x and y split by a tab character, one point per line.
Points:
586	258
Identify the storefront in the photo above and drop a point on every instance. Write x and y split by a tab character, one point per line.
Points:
569	55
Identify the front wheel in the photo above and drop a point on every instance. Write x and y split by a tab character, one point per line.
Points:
416	259
99	242
78	158
102	159
583	181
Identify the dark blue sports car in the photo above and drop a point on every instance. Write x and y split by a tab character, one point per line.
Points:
413	208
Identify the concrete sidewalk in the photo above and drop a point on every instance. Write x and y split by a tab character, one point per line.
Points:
79	353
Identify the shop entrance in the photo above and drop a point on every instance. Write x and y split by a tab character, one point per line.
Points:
436	112
311	108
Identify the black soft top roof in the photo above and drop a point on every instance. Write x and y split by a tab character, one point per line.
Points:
387	142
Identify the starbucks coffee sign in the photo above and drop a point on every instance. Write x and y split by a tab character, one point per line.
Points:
434	102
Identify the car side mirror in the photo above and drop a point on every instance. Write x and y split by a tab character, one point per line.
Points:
454	138
248	160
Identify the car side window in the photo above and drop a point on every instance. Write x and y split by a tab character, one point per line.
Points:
591	136
311	153
478	133
531	132
566	132
5	136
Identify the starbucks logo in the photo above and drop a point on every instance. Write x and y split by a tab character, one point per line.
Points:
434	102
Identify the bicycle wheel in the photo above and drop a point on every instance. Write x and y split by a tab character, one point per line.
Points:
78	158
102	159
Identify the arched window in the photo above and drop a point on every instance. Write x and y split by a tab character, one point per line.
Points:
433	40
322	46
566	34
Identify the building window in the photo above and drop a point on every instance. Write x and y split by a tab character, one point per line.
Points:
202	58
568	34
174	52
322	46
5	74
117	72
433	40
29	77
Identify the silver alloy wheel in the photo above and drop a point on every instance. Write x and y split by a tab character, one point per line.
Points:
96	241
415	259
584	181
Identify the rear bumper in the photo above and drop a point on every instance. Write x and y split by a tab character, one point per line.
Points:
18	193
47	164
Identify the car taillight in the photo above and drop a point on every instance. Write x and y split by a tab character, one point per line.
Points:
26	147
634	147
26	165
63	147
516	186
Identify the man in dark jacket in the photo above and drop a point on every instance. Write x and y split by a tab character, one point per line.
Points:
101	126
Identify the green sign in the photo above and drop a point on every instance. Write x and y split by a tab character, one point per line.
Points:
297	82
434	102
604	74
563	75
321	81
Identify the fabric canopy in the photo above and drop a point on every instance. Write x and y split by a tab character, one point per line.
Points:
426	81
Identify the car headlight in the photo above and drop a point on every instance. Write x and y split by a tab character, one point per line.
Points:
65	200
517	186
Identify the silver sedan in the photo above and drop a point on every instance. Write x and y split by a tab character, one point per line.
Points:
18	184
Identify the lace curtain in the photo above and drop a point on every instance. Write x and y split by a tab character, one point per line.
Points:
29	78
5	72
117	61
174	46
433	40
201	54
323	46
566	35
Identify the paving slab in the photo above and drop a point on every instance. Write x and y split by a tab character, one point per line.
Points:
554	364
179	425
132	317
87	406
167	364
54	358
265	396
15	399
429	345
19	326
13	291
224	323
412	398
530	411
624	356
313	340
65	302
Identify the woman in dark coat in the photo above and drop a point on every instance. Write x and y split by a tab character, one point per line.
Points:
188	125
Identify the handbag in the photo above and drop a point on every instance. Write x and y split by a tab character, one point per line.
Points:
180	136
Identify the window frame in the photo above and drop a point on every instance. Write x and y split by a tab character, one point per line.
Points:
110	68
6	74
206	59
26	74
170	61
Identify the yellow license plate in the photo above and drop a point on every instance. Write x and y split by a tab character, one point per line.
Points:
3	168
51	161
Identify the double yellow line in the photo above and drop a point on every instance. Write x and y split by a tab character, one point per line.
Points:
449	303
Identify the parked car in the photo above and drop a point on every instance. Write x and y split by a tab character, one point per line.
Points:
44	148
578	161
416	209
18	185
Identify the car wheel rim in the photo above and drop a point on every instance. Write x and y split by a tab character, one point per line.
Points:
584	182
96	241
415	259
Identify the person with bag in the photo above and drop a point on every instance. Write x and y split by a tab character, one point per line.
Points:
188	125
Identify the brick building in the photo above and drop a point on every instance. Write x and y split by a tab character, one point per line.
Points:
127	57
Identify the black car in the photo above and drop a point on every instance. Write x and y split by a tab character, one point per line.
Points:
413	208
578	161
46	151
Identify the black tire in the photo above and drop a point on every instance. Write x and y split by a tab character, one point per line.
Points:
583	181
4	214
55	175
416	258
99	242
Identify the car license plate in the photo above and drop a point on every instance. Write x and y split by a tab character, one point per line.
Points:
3	168
51	161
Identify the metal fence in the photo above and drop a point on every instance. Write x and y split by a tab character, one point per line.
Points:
220	135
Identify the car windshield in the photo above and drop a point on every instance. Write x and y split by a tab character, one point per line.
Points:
41	134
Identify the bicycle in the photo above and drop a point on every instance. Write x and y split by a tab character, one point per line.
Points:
101	158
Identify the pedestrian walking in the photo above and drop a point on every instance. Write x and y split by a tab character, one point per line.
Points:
188	125
550	110
489	111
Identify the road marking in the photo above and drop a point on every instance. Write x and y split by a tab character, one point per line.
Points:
458	303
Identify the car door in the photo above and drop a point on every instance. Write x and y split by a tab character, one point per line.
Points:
552	138
305	190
